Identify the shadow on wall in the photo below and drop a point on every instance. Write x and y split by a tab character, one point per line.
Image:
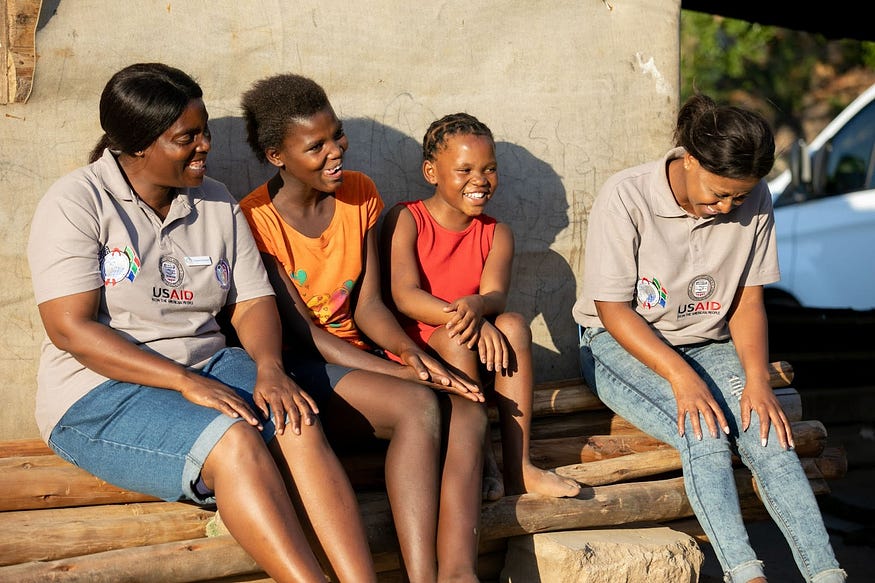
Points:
47	10
530	198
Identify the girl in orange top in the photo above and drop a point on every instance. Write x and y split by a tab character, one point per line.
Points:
463	317
314	224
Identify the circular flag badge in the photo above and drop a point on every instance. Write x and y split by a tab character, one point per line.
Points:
115	266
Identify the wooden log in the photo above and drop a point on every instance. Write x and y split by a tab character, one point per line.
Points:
58	533
831	464
563	451
809	437
18	22
24	447
624	468
653	501
49	482
214	558
45	535
189	560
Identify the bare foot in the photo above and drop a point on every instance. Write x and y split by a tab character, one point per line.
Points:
493	482
549	483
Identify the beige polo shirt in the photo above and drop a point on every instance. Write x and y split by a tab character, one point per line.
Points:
679	272
162	282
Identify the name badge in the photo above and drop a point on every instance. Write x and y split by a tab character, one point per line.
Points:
198	260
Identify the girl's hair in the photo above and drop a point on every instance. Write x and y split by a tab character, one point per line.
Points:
273	103
139	103
729	141
450	125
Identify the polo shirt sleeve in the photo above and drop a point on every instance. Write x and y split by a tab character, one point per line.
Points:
250	278
64	243
610	267
762	264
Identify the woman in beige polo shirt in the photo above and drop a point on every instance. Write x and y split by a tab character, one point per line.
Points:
132	258
675	337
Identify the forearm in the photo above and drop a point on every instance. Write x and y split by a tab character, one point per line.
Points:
748	327
417	304
494	302
106	352
636	335
375	320
258	327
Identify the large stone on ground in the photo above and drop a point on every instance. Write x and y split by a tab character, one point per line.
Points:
617	555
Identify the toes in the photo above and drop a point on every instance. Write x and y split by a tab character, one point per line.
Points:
493	489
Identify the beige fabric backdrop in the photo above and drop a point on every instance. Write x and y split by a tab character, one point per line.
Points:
573	90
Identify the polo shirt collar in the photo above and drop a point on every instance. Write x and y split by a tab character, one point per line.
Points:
107	170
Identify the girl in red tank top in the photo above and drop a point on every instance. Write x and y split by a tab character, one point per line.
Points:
449	276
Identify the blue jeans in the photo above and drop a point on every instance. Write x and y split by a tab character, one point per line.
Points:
153	441
645	399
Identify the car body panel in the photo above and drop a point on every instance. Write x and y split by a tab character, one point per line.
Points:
825	226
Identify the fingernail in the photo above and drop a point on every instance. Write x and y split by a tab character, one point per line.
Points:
764	443
726	429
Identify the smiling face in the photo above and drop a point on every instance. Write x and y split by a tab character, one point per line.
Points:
703	194
312	152
464	172
177	158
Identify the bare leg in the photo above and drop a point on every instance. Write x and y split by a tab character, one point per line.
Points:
258	511
407	414
328	500
514	388
459	519
467	361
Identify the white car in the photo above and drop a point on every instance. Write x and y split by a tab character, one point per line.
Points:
825	215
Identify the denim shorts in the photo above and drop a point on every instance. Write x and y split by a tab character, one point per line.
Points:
155	441
317	377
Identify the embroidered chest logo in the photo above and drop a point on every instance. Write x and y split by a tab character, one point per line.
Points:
699	290
650	293
171	271
172	275
223	274
117	265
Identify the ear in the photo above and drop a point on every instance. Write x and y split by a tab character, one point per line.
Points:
273	156
689	161
428	172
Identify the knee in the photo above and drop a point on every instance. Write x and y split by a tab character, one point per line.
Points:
708	451
471	414
422	407
241	444
241	439
515	328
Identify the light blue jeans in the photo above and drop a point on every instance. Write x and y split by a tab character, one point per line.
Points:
645	399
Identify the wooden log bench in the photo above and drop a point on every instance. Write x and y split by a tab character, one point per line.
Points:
60	523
